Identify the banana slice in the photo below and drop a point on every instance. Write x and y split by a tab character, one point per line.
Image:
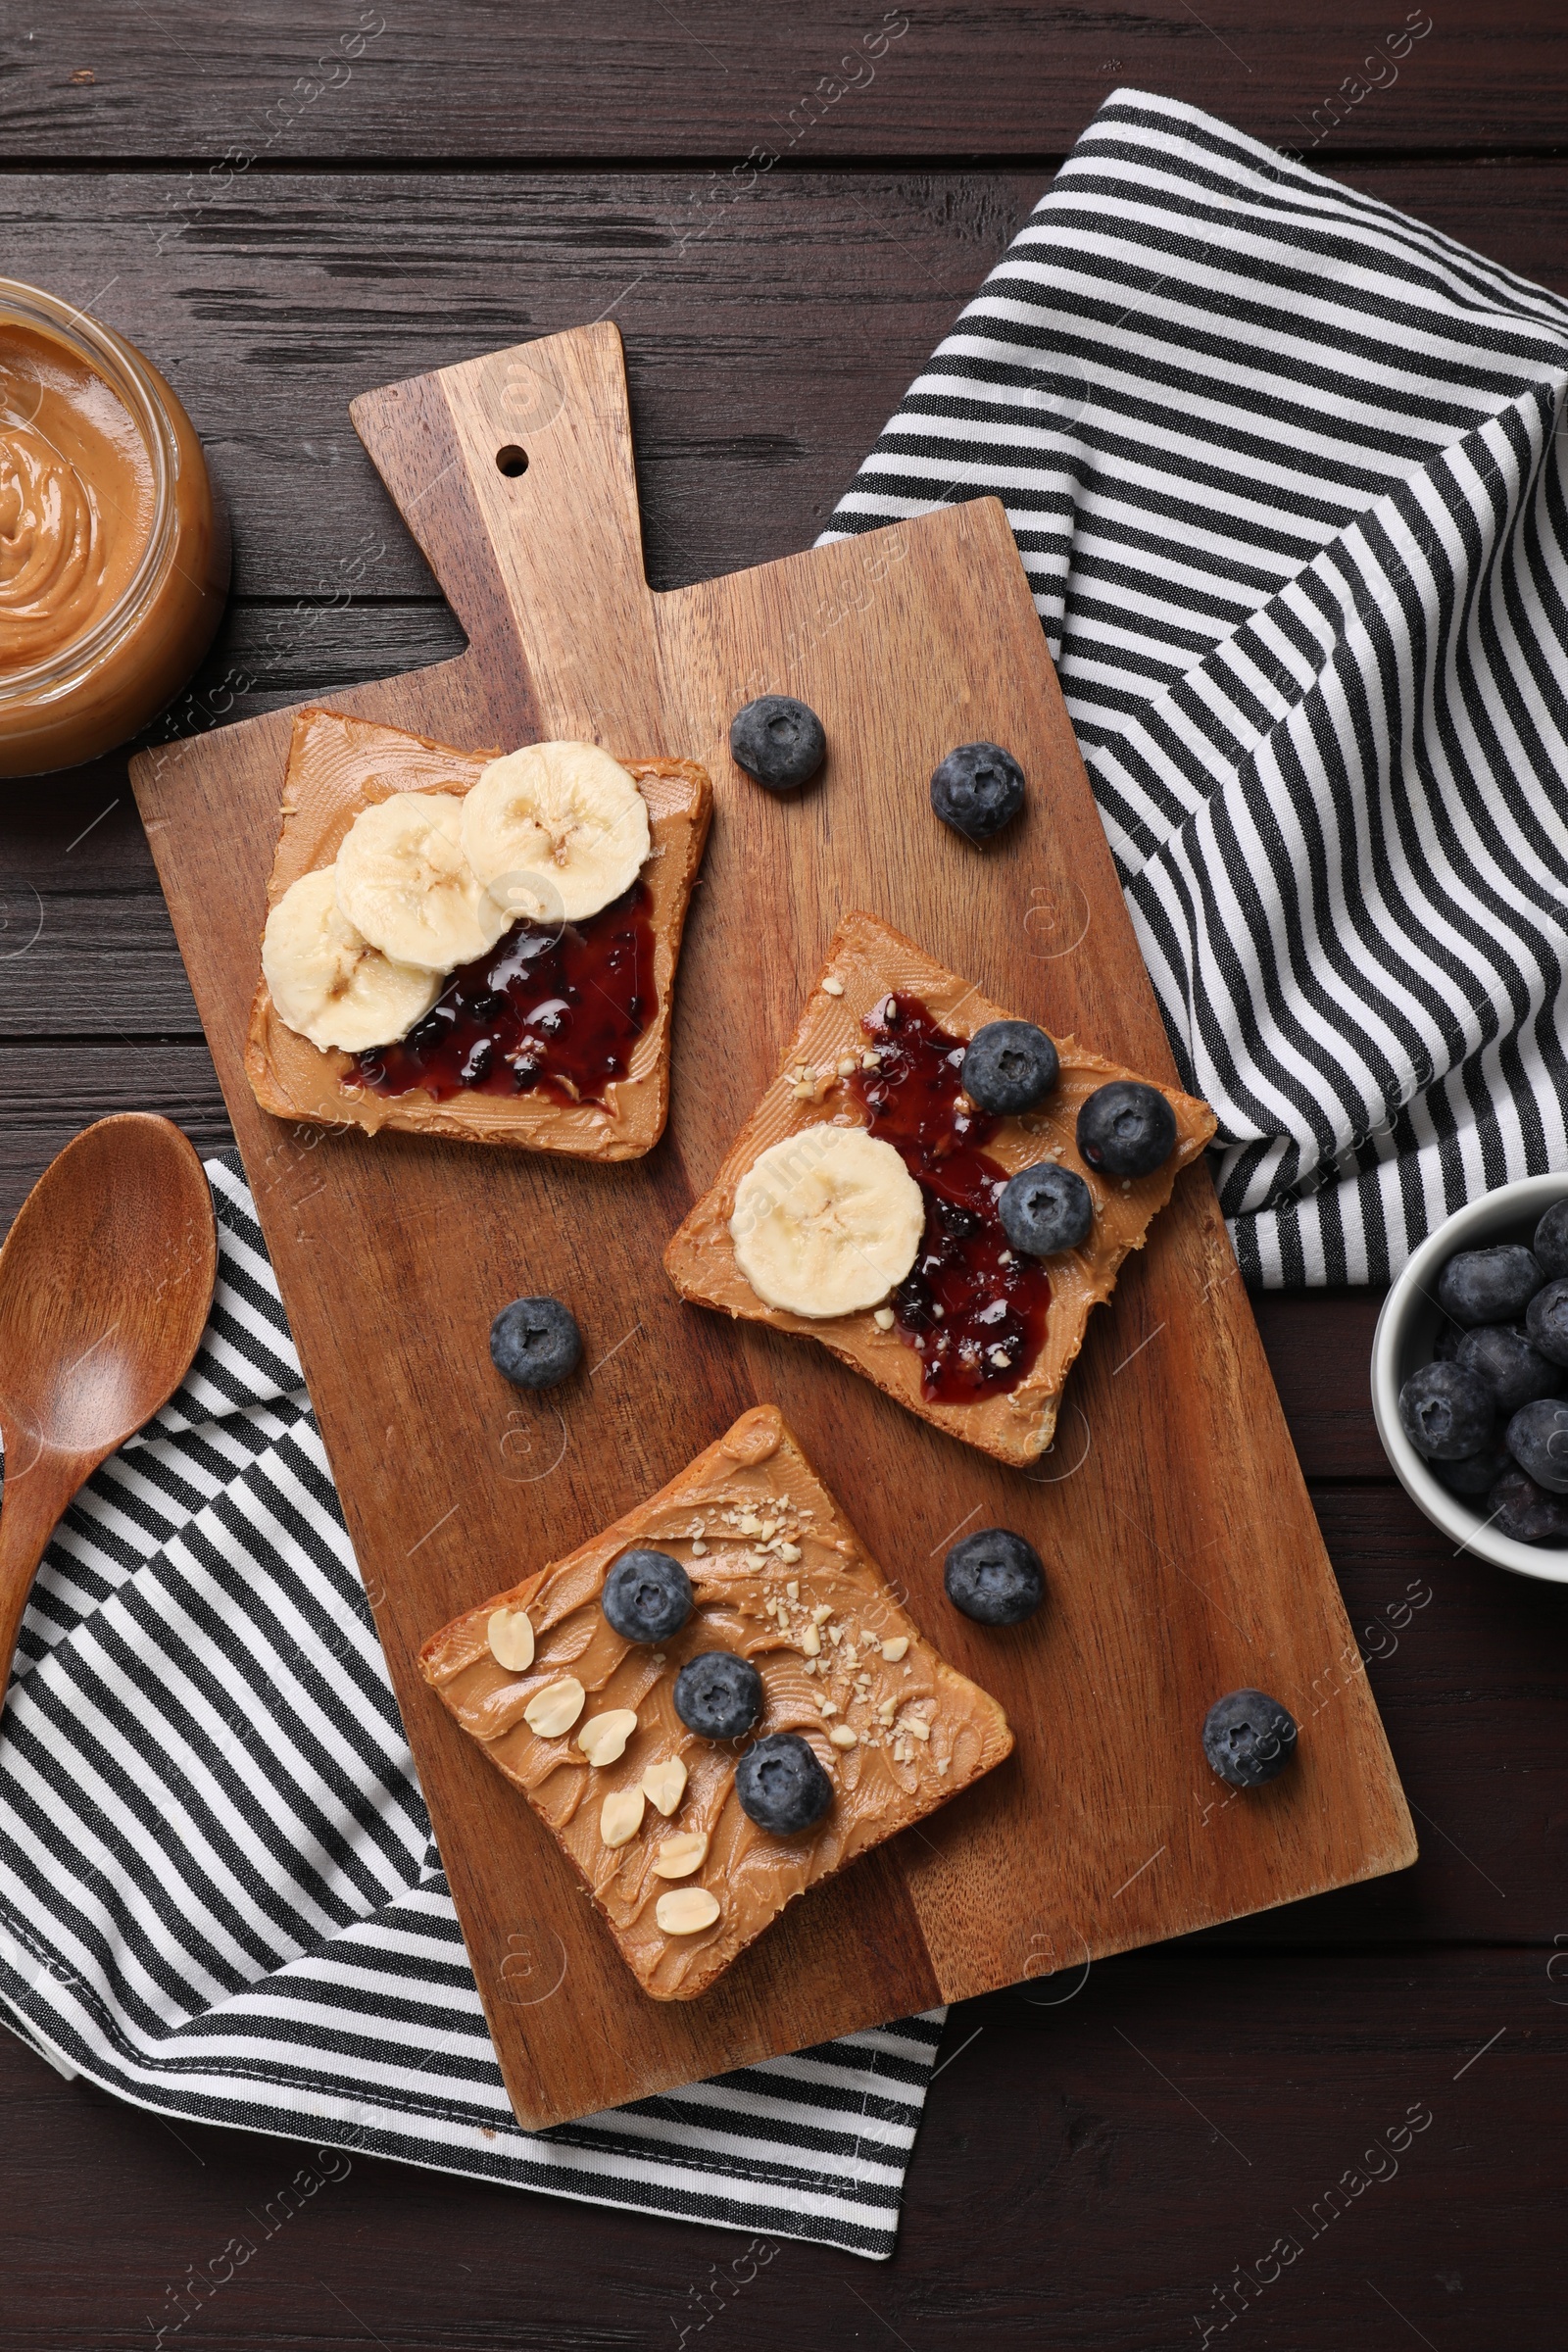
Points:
404	881
556	831
328	982
827	1222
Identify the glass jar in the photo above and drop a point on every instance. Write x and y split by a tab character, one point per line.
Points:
114	555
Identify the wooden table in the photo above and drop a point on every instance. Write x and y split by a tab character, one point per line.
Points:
1088	2173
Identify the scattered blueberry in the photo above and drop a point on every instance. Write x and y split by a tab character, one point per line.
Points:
1517	1373
718	1696
1445	1412
1045	1210
778	741
534	1343
1537	1439
994	1577
1475	1473
1520	1508
1489	1286
1126	1128
1249	1738
647	1597
1546	1321
1551	1244
1009	1068
978	789
781	1786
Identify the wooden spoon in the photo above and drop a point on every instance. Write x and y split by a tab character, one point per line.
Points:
106	1282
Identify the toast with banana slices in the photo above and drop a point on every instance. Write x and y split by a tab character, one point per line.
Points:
475	946
861	1204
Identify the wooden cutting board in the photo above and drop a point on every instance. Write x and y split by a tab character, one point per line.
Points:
1182	1555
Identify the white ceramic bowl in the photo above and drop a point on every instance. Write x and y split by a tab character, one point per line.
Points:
1403	1339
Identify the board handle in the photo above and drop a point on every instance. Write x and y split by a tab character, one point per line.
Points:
515	472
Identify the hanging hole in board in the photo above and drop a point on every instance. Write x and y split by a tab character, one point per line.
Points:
512	461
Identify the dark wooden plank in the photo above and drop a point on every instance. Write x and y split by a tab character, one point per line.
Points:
1171	2125
764	353
823	81
52	1092
1319	1347
1087	2175
88	966
273	651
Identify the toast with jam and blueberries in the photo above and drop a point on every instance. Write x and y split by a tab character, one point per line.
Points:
715	1705
936	1192
475	946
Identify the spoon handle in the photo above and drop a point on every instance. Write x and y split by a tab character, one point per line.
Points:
31	1508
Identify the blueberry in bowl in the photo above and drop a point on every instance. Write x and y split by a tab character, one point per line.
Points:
1519	1508
1446	1411
1489	1286
780	1785
718	1696
1126	1129
535	1343
1475	1473
1550	1240
1509	1364
1538	1438
1249	1738
1546	1320
647	1597
978	789
1011	1067
780	743
994	1577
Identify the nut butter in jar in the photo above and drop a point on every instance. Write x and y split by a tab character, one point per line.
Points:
113	558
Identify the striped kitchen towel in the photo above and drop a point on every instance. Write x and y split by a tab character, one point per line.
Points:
218	1895
1287	478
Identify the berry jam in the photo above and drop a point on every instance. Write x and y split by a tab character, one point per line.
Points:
558	1011
972	1311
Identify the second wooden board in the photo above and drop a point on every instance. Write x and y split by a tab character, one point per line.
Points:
1182	1550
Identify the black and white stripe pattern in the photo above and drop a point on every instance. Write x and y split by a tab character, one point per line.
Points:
1284	472
218	1895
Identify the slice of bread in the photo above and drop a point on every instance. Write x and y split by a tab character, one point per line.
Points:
868	961
779	1576
337	767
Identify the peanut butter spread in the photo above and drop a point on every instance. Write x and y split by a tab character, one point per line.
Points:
75	497
337	767
780	1577
868	961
